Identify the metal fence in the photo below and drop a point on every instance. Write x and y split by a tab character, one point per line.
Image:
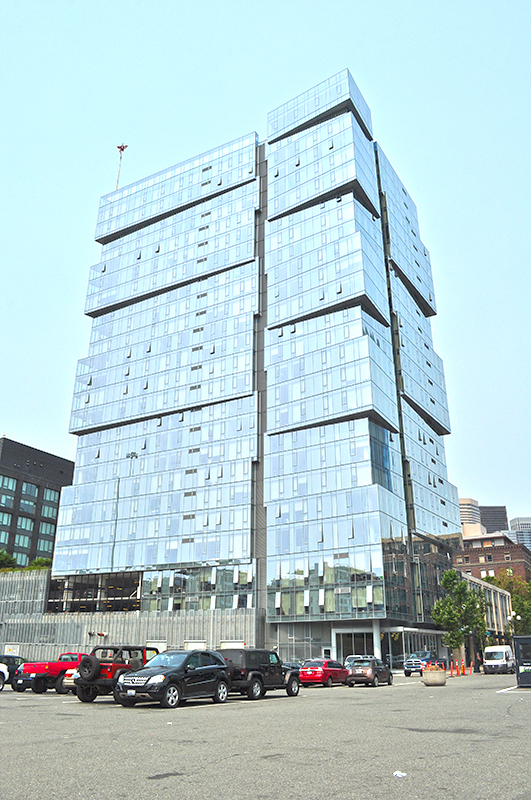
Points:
24	592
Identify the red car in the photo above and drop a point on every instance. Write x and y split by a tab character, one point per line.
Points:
322	670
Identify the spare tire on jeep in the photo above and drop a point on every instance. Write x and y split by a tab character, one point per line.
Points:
89	668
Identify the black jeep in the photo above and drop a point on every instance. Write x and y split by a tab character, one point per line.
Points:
255	672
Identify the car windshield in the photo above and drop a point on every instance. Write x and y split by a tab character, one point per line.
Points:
314	663
167	660
363	663
420	654
496	655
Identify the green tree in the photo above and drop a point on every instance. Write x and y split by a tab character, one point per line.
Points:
461	613
7	561
40	563
520	592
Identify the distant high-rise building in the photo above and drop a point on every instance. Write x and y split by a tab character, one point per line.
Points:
494	518
521	528
469	511
261	413
520	524
30	488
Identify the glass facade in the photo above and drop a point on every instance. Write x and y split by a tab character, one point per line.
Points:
261	412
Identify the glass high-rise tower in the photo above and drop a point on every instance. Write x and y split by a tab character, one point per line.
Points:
261	413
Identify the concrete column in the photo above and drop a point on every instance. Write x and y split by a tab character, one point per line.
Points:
376	642
67	594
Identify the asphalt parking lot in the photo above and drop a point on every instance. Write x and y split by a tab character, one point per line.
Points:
469	739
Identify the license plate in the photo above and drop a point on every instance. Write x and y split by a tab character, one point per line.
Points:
131	692
20	680
359	671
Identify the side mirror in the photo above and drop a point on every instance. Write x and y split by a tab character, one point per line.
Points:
190	667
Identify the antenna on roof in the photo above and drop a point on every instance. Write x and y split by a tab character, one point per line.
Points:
121	148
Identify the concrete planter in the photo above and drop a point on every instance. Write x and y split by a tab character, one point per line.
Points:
434	677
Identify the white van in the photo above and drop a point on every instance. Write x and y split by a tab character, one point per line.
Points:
498	658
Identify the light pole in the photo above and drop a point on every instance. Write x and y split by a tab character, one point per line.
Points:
513	619
130	456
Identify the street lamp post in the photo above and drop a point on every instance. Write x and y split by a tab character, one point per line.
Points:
132	455
512	619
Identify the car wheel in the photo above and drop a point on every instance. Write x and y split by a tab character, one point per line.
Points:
255	690
390	679
18	687
421	673
329	681
38	685
171	697
222	692
292	689
60	688
127	702
87	694
89	668
407	673
375	681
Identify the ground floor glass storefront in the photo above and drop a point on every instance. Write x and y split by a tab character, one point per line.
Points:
375	637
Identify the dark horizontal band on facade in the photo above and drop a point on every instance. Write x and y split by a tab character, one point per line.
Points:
372	415
421	301
338	191
346	106
107	309
145	223
363	301
435	425
160	415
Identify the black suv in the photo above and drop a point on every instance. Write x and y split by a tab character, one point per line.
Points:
255	672
12	663
174	676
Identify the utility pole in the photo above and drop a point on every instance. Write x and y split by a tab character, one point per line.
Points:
121	148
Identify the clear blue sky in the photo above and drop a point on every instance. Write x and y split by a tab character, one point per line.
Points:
448	84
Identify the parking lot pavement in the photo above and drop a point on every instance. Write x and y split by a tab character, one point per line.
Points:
468	739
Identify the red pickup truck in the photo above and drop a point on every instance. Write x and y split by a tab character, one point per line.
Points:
42	675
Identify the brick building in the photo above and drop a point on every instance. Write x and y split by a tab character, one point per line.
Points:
487	555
